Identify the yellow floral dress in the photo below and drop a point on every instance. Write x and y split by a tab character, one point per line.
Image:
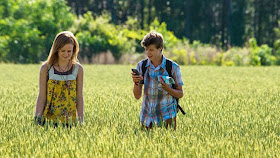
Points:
61	102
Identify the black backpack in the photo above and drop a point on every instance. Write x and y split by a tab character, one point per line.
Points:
168	69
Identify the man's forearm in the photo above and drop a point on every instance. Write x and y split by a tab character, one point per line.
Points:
137	90
175	92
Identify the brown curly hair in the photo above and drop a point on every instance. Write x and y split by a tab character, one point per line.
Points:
154	38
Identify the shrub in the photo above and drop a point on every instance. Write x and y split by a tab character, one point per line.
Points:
261	55
237	57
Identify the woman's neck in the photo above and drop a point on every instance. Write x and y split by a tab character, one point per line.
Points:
63	63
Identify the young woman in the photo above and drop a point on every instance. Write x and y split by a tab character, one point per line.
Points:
159	103
60	96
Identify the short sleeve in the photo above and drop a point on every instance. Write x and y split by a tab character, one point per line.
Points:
177	75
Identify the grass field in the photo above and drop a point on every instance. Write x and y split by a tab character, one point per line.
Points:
231	112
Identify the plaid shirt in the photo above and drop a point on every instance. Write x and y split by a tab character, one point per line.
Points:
158	105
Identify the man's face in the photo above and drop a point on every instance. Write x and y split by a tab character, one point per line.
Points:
153	52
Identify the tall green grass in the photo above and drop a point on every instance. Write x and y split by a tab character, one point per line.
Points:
231	112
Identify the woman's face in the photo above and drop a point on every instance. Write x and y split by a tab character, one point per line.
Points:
153	52
65	53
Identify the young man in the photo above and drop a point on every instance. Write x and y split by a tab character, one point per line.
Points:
159	103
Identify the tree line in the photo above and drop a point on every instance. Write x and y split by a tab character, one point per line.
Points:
195	32
223	23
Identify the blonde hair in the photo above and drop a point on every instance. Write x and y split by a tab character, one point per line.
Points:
62	38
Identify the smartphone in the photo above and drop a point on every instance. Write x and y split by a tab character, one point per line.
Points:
135	71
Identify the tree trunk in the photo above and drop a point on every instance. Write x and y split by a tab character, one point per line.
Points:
229	12
274	20
188	19
77	6
142	13
277	10
255	18
110	4
260	14
149	12
223	23
158	8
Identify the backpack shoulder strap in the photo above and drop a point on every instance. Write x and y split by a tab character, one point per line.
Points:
169	70
169	67
143	67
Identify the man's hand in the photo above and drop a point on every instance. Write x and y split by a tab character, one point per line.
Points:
136	78
164	85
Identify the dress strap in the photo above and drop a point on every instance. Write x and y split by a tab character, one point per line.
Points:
51	71
76	68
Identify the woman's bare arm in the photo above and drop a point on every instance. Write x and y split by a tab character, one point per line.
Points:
42	96
80	97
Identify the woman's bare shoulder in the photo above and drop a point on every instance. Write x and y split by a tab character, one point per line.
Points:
44	68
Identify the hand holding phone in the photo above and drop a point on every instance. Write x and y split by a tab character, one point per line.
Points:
135	77
135	71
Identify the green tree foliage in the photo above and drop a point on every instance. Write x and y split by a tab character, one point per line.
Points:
97	35
261	55
29	27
